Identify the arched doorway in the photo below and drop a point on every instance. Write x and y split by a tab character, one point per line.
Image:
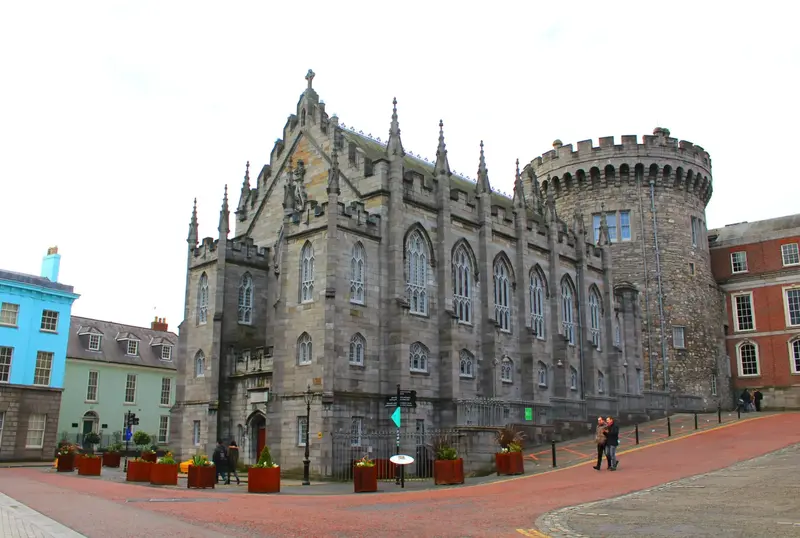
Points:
91	424
257	428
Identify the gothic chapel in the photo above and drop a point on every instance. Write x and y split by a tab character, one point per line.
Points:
355	266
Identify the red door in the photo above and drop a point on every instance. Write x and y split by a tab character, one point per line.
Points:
262	440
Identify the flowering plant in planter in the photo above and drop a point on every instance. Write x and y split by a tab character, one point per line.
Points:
165	471
111	456
509	459
138	470
365	476
66	456
448	468
365	462
65	448
201	472
201	460
264	476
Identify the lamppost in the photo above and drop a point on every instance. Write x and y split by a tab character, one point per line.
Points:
308	396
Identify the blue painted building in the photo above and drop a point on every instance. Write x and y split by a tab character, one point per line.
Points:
34	332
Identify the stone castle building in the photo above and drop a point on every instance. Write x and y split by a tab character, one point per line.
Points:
355	266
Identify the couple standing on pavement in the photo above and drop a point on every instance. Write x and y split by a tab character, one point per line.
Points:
226	460
607	439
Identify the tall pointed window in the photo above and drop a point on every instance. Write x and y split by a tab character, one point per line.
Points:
462	285
307	274
594	317
506	370
246	299
536	299
202	300
417	273
304	355
502	296
466	364
418	357
568	310
199	364
542	375
357	346
357	274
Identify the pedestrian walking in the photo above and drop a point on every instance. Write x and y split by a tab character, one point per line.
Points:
757	397
600	439
612	442
233	462
747	400
220	459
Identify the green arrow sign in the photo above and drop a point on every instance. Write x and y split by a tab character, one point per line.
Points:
396	417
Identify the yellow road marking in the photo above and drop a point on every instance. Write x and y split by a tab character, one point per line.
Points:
532	532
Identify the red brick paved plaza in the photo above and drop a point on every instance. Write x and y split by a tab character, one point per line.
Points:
101	508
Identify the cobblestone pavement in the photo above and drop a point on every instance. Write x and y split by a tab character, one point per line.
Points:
106	509
19	521
757	497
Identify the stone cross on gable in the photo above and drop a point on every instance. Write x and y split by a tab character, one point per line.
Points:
310	78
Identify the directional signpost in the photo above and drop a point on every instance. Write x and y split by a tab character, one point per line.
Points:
407	398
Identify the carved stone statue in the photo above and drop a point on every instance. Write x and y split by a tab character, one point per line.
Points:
300	195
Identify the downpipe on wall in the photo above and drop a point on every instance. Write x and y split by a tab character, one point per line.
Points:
646	283
664	360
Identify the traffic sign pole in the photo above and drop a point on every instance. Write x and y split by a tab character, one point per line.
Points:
399	474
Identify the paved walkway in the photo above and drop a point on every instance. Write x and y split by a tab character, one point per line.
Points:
19	521
106	509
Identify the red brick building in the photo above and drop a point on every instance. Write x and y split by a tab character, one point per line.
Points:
757	265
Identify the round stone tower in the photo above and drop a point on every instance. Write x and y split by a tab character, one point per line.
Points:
653	196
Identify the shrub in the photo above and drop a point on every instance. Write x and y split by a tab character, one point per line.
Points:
265	459
444	448
509	436
141	439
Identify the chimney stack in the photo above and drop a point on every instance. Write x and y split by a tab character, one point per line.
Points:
51	264
159	324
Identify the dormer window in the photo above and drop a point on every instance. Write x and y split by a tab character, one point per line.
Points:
132	347
166	353
94	342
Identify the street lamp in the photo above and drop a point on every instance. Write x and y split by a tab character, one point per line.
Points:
308	396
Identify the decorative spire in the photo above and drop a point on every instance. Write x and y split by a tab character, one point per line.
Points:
394	145
193	230
247	176
333	173
482	186
224	215
550	204
603	238
578	223
442	165
519	193
536	191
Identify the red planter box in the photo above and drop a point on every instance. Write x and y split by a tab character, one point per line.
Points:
509	463
90	466
365	479
138	471
111	459
163	475
202	477
150	456
448	472
78	461
385	469
66	463
264	480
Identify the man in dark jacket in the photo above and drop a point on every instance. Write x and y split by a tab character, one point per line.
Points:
220	459
612	442
757	397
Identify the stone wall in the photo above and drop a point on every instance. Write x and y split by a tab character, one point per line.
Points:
17	404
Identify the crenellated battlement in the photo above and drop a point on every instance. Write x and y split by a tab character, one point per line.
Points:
243	251
352	215
668	162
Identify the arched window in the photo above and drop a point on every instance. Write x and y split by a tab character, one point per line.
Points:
418	358
573	378
567	310
536	299
417	273
200	364
246	299
601	383
202	300
506	370
466	364
794	354
502	296
542	374
357	347
594	317
462	284
307	273
357	274
747	353
304	355
625	384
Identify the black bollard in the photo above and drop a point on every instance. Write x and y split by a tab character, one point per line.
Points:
738	411
669	428
553	446
637	434
719	413
695	421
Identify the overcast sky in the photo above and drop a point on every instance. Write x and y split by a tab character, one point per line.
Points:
115	115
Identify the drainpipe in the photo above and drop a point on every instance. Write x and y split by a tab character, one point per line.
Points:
580	334
646	285
660	289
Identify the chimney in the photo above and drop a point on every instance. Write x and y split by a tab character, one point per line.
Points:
159	324
51	264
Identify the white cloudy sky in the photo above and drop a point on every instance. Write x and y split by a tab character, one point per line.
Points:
114	115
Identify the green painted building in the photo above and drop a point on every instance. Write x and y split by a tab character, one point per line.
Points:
113	369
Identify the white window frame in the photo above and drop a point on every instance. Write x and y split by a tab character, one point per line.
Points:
39	431
6	362
95	342
794	355
166	353
679	337
358	268
196	433
740	364
462	285
735	311
466	364
420	352
132	348
9	314
601	383
506	370
130	387
90	387
202	300
246	294
541	375
307	273
743	261
44	363
200	364
568	311
573	378
167	392
623	227
163	428
356	431
502	296
49	321
536	296
358	346
302	426
792	252
305	350
713	385
611	223
594	318
417	258
786	291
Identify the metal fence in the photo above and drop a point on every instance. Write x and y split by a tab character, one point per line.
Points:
106	439
379	446
489	412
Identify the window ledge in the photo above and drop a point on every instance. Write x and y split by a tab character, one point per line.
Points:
507	381
129	403
304	363
9	325
356	365
749	376
90	401
466	377
48	331
419	372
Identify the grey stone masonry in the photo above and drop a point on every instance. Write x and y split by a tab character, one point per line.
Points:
653	196
363	267
17	405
